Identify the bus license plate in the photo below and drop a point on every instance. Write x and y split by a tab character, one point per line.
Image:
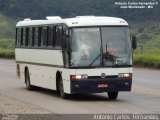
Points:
102	85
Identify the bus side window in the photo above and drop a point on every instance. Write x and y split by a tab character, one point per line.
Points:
18	36
50	36
44	36
54	35
58	35
30	37
65	38
39	36
33	36
21	41
26	36
36	37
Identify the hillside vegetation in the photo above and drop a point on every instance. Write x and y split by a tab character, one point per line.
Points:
69	8
7	33
148	33
7	26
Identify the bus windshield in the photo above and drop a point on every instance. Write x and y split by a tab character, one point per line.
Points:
100	46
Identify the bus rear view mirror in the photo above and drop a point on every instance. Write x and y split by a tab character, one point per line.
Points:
134	42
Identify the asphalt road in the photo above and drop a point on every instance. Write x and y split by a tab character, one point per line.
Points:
144	98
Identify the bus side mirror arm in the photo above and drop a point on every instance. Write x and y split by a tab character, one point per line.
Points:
134	42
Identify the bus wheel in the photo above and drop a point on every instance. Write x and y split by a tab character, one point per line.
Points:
113	95
61	89
27	81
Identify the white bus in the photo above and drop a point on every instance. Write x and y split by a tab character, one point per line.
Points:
85	54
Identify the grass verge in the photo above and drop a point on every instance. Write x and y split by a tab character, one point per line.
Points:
147	60
7	53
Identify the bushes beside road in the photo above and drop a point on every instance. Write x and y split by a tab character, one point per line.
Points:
6	48
147	60
7	53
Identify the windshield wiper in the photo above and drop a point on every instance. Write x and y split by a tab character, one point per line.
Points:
94	60
96	57
107	56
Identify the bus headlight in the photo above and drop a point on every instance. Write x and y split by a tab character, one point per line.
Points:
76	77
125	75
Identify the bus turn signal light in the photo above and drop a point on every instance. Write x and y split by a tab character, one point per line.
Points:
76	77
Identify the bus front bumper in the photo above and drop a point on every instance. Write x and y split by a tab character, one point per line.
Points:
101	85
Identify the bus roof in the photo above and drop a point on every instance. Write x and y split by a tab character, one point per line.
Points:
76	22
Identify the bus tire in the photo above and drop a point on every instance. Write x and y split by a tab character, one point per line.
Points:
61	89
27	81
113	95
